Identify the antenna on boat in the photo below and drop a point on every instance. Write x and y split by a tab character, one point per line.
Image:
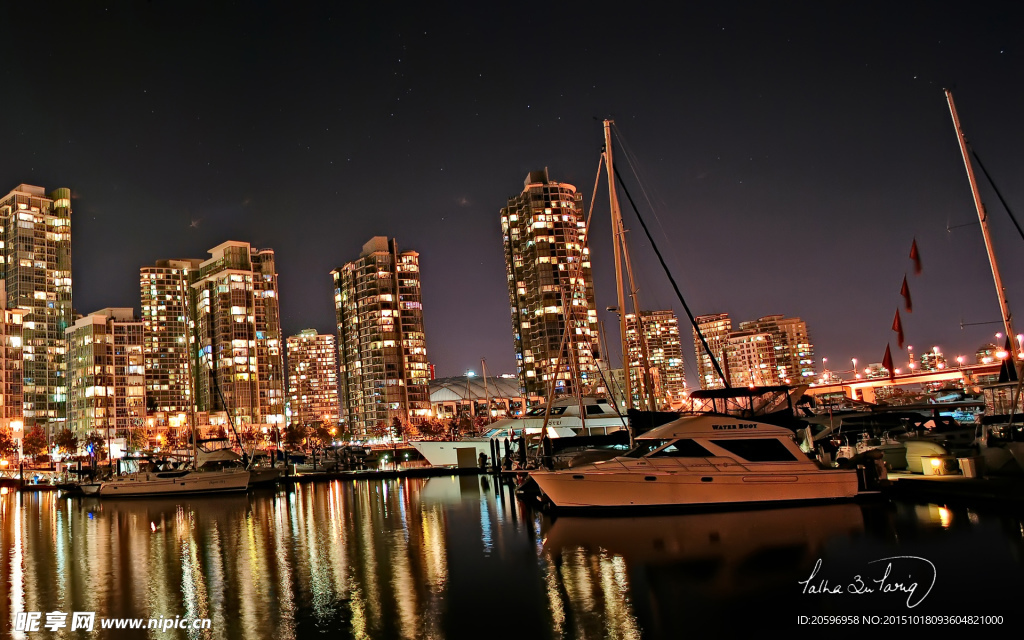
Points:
1004	307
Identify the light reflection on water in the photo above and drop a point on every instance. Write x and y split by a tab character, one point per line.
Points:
460	557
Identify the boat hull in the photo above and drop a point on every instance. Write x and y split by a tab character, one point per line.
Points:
90	488
607	489
264	476
445	453
144	485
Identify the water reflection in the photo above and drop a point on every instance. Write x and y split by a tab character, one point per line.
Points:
708	556
453	557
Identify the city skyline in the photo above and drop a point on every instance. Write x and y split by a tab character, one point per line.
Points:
790	170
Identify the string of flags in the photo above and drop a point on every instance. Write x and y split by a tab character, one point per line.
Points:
897	323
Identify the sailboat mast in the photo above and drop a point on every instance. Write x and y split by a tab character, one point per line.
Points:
1004	307
487	396
617	231
646	399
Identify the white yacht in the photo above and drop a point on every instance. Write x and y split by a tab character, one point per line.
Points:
150	481
565	421
708	459
219	470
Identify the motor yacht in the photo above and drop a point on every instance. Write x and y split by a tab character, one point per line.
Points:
709	459
598	418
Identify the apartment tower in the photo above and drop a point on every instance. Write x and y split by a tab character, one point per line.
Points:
794	353
11	363
384	369
167	318
240	366
664	355
107	374
750	357
551	290
312	361
35	249
715	328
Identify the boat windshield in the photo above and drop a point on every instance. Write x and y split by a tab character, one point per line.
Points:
540	411
644	447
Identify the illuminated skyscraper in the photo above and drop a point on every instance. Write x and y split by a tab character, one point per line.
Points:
550	285
384	369
240	366
715	328
750	357
167	317
11	363
794	353
312	378
664	353
35	248
107	374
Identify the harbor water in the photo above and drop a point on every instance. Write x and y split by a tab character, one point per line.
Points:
460	557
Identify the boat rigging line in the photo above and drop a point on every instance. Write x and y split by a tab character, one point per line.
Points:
565	347
998	193
686	307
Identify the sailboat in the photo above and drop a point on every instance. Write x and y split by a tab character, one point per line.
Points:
211	471
1001	443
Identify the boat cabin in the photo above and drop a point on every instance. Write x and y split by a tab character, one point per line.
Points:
771	404
716	437
571	406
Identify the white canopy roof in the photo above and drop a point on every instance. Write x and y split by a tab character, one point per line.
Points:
464	389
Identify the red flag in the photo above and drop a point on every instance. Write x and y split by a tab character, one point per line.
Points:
887	362
916	257
897	326
905	292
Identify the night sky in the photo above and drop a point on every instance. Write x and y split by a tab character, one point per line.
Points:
791	152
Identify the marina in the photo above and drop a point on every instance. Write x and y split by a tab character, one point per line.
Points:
357	343
408	558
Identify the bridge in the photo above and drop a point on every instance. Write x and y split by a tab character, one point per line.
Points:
864	388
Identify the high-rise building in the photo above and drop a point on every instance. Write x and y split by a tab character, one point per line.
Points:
551	290
384	369
933	360
312	378
716	329
167	317
107	373
794	353
664	355
11	363
750	358
240	366
35	261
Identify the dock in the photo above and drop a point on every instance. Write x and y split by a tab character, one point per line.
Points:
383	474
957	488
